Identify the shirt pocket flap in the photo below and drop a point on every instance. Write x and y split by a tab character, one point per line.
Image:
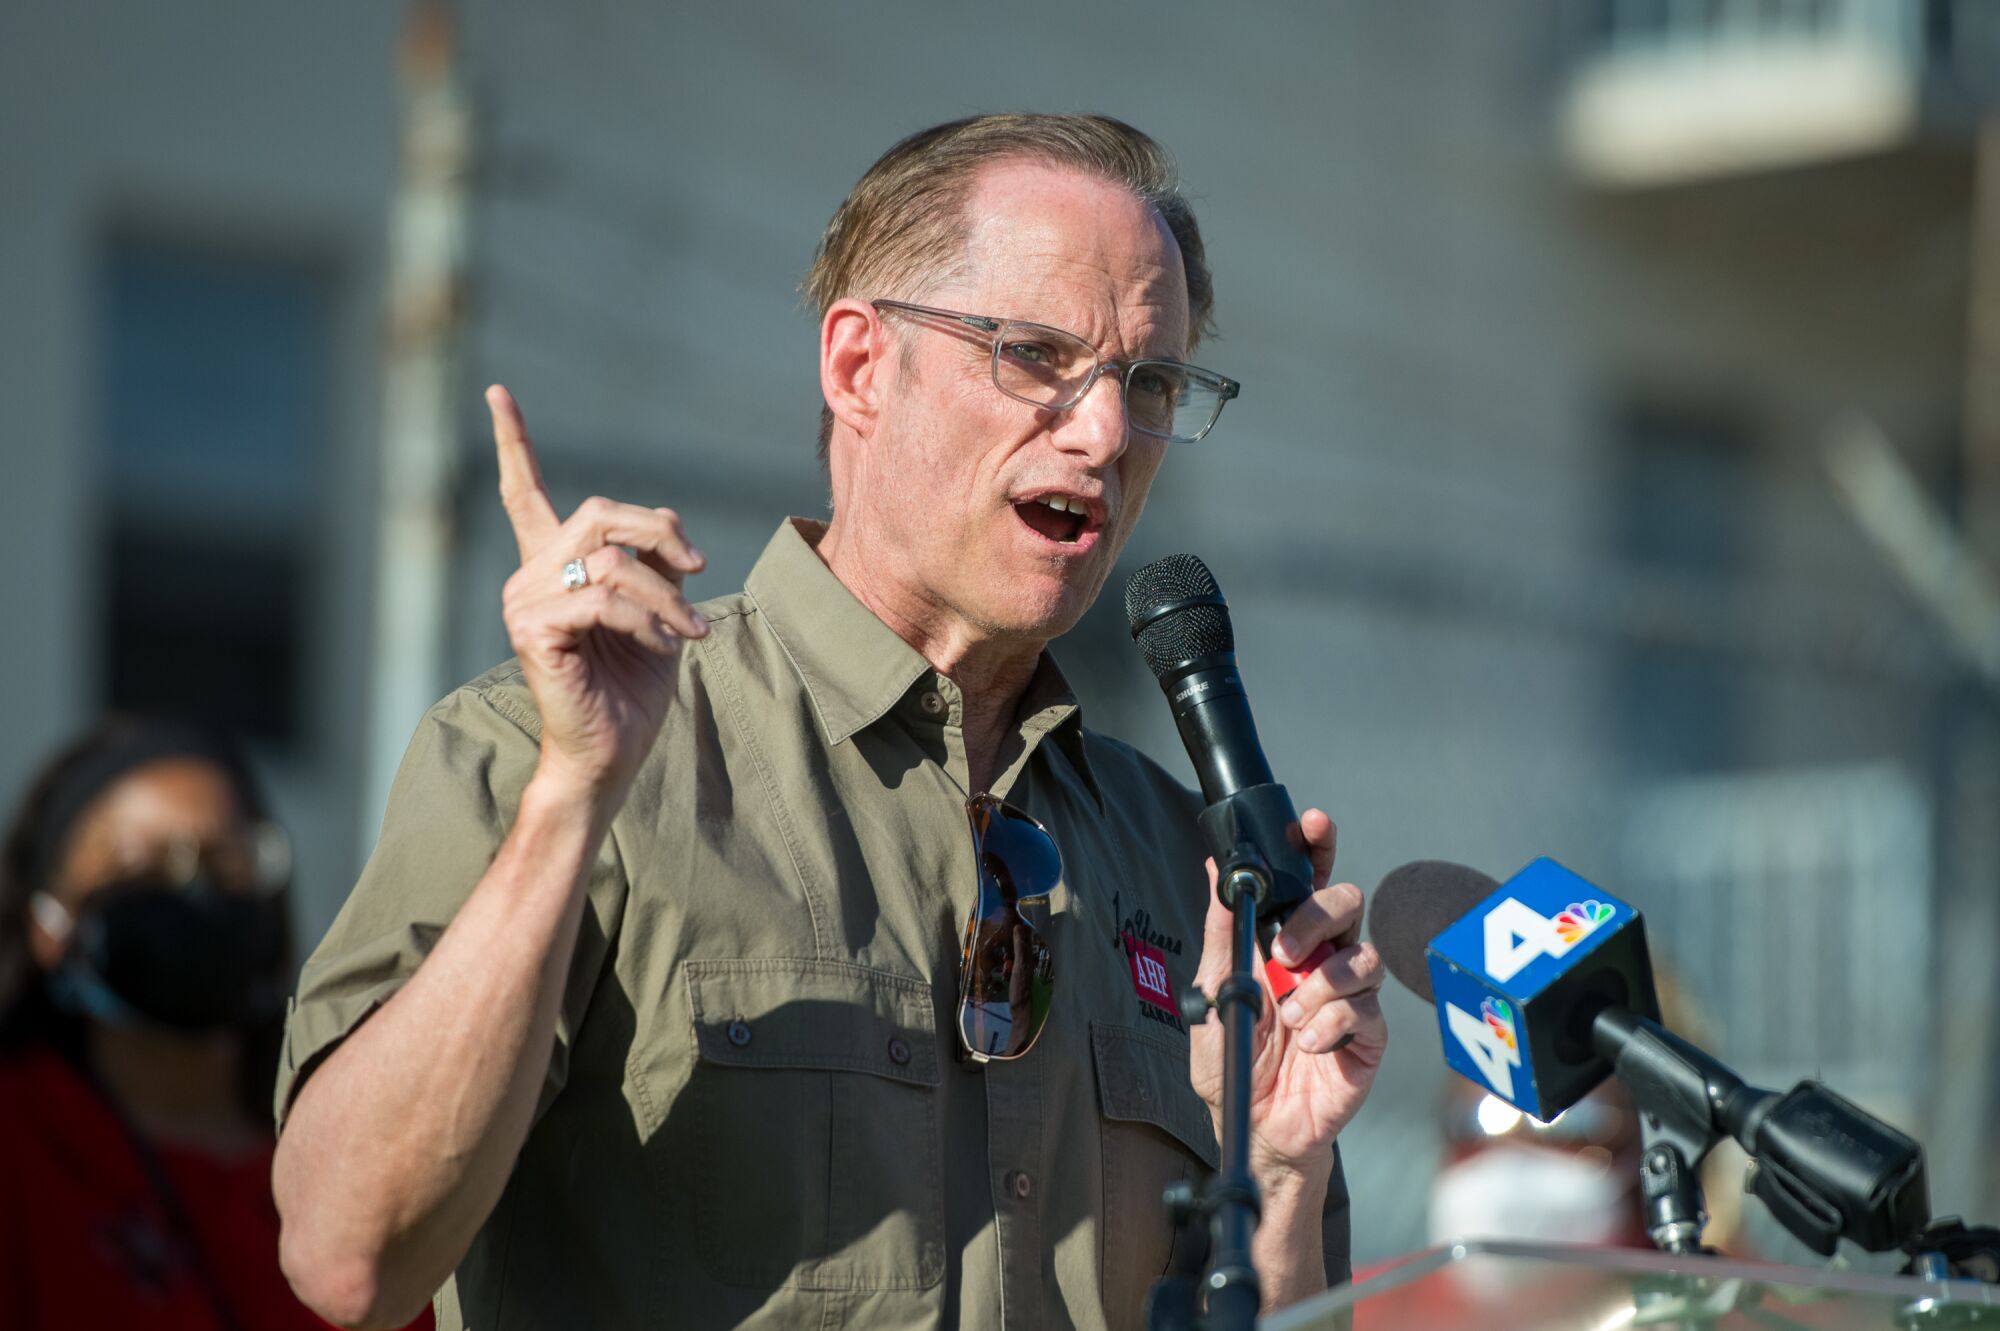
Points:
1142	1078
784	1013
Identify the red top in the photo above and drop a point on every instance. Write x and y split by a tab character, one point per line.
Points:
84	1240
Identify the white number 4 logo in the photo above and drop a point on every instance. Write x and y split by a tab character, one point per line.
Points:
1493	1045
1517	934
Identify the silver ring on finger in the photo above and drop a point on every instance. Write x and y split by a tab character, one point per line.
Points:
575	575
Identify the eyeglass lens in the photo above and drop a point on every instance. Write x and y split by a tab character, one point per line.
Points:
1051	368
1008	974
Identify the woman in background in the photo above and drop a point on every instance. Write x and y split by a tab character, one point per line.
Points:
144	960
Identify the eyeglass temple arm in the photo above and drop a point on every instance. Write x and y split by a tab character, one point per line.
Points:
979	321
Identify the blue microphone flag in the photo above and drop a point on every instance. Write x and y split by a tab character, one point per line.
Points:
1518	978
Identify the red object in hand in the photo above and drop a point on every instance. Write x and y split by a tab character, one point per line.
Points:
1283	979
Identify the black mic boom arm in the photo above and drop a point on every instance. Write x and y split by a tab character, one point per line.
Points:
1825	1167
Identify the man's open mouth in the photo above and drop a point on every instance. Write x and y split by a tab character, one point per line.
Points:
1060	518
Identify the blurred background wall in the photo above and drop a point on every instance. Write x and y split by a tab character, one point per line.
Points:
1615	460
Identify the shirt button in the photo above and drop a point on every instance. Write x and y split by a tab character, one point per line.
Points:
932	703
738	1032
1020	1184
899	1052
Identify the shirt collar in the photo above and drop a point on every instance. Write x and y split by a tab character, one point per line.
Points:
854	667
1049	707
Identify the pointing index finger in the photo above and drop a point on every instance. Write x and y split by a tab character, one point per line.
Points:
522	493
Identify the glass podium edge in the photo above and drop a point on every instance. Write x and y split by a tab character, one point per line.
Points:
1635	1261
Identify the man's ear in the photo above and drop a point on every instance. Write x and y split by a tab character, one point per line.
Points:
852	345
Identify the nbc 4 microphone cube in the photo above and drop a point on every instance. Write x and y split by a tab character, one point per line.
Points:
1520	977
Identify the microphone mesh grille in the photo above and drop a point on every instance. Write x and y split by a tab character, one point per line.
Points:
1416	903
1198	630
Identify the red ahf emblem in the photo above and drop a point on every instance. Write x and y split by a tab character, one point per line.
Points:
1149	973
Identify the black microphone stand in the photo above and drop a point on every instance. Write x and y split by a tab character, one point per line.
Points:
1228	1205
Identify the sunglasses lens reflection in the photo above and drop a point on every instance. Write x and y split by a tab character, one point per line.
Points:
1008	974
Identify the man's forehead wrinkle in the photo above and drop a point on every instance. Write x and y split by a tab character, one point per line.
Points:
1119	316
1106	268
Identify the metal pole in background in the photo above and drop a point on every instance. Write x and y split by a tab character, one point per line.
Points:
1969	951
421	370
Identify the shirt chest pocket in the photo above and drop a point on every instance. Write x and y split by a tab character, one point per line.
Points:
813	1108
1155	1131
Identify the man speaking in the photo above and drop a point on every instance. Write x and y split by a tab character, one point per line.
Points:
801	959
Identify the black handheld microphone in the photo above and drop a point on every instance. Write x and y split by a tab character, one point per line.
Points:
1539	1016
1181	623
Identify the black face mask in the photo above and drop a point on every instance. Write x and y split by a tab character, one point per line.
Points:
195	958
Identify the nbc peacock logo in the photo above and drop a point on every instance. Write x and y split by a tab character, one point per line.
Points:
1499	1014
1580	919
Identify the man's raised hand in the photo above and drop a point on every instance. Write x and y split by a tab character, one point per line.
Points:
600	657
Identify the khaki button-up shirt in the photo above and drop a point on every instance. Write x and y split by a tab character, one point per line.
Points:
755	1112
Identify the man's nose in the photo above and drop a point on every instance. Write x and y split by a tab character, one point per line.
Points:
1096	426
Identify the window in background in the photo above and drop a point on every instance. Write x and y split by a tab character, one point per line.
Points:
211	406
1683	499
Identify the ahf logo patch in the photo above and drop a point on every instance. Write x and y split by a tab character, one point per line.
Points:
1146	950
1149	973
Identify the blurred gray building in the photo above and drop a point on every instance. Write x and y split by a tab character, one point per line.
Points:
1527	512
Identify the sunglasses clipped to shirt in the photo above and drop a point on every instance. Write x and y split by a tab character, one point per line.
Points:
1006	976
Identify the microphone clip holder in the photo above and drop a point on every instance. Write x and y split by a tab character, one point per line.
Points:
1949	1249
1247	831
1670	1189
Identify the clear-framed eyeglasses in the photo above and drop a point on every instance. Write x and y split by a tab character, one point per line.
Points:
1052	369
